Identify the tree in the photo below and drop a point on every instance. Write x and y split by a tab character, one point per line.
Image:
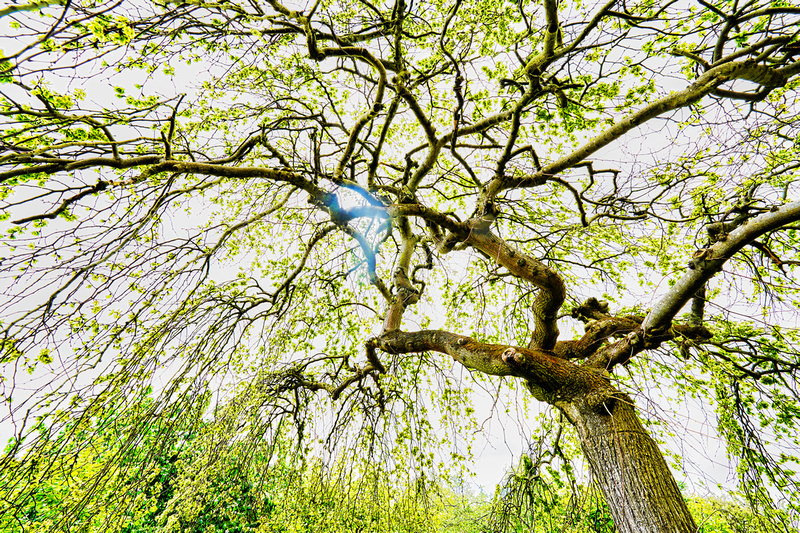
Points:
277	201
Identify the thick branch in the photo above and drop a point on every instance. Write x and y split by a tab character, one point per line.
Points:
78	164
552	379
657	326
65	205
602	326
551	287
405	293
537	64
711	262
705	84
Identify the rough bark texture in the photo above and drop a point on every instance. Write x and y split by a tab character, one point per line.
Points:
630	469
625	461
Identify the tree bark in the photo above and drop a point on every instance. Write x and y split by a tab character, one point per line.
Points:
625	461
629	469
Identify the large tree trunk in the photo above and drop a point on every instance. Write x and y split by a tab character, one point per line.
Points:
625	462
629	468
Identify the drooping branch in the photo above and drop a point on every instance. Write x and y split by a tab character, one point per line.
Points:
772	256
65	204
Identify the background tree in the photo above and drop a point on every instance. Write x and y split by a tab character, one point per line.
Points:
274	203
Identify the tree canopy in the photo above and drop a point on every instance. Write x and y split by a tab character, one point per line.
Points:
313	231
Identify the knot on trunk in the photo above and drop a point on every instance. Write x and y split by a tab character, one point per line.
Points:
591	309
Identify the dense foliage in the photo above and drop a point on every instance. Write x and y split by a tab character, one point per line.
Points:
293	497
284	223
